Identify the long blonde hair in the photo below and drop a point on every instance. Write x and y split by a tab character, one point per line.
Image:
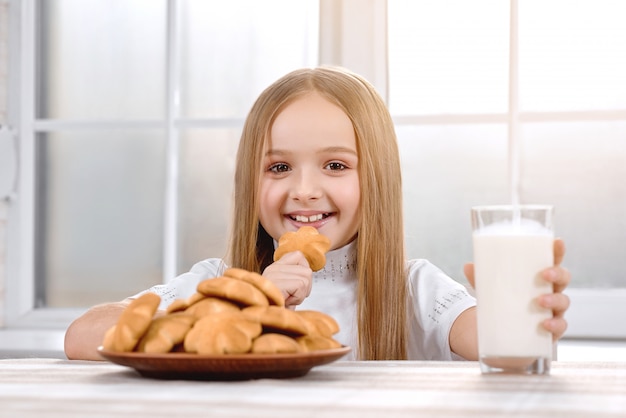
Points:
382	293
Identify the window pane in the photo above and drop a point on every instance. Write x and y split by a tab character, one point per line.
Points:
447	170
579	167
99	216
102	59
206	183
232	50
448	56
572	55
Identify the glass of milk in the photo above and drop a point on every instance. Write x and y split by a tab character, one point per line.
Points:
512	245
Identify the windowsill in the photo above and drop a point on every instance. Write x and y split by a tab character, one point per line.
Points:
592	350
49	344
31	343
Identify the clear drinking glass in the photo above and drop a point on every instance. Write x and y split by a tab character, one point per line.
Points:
512	245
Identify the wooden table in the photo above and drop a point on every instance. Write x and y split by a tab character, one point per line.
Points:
62	388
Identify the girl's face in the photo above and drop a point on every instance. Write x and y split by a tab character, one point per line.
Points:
310	172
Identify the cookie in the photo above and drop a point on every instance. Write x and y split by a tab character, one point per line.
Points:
277	319
181	304
319	323
307	240
271	343
222	333
132	323
316	343
271	291
210	305
165	332
234	290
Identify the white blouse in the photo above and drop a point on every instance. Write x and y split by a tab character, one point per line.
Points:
435	300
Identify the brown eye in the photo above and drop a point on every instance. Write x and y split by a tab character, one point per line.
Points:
279	168
336	166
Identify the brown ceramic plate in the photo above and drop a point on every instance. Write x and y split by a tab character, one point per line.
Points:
224	367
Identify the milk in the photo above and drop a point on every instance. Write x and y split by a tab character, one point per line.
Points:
508	257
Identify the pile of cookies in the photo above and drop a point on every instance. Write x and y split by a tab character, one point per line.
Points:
239	312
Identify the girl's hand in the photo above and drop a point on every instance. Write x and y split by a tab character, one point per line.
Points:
557	301
293	276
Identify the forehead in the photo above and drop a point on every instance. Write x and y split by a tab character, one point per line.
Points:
311	117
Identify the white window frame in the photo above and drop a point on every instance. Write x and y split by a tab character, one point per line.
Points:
591	310
23	324
346	26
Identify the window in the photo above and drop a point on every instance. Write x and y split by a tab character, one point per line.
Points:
516	101
101	188
130	122
126	154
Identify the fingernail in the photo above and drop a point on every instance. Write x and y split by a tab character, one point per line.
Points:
545	301
550	275
551	324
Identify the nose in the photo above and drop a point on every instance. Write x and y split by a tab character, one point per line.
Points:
306	186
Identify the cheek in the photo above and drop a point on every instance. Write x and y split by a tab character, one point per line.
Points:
355	205
351	204
263	198
351	197
354	197
269	200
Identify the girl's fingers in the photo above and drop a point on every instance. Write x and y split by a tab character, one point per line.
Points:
293	258
559	251
558	276
557	326
558	303
292	275
468	269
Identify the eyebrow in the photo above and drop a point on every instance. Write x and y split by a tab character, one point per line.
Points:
342	150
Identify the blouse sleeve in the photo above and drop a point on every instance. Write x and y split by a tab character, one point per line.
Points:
435	301
185	285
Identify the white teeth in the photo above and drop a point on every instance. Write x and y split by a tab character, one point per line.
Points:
313	218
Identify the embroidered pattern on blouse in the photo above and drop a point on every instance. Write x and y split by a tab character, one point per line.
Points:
337	266
167	294
445	302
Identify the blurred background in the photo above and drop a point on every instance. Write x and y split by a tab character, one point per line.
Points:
120	121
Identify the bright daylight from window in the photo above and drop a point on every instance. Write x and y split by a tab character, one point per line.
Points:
130	113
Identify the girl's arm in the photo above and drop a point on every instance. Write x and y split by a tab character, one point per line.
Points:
464	335
86	333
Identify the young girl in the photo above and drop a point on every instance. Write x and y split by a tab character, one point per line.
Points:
319	148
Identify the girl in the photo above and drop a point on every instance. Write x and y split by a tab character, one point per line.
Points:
318	148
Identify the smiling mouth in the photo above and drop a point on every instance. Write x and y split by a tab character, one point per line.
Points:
308	219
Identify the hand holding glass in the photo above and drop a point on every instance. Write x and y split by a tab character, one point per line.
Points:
512	245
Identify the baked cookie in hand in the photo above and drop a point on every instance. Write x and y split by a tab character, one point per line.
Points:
309	242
